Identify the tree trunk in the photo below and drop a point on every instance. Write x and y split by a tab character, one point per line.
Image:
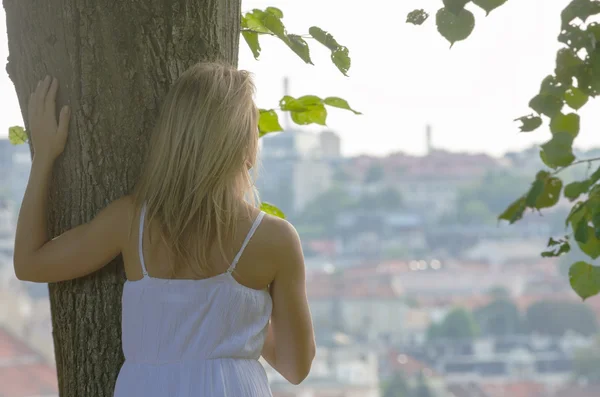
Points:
115	61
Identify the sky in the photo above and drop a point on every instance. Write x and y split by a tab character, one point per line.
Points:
404	77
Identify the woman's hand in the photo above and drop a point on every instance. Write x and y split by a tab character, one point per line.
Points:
47	136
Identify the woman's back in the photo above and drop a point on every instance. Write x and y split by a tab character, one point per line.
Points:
193	336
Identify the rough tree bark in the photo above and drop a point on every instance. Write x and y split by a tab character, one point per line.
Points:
115	61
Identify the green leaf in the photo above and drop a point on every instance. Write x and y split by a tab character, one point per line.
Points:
574	37
341	58
455	27
529	123
455	6
546	104
289	103
582	234
558	151
310	100
339	54
586	79
316	114
253	21
299	46
582	9
308	109
275	12
591	247
272	210
593	29
560	247
552	242
575	189
17	135
576	214
339	103
567	63
575	98
417	17
565	123
584	279
595	176
544	192
552	86
489	5
275	25
268	122
323	37
550	193
534	192
514	212
252	41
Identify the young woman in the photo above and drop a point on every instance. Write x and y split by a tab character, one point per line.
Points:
212	283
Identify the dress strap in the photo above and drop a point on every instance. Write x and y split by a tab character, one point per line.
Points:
255	225
141	240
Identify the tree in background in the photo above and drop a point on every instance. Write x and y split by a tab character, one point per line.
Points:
575	79
501	317
388	199
483	200
422	388
320	217
374	174
586	364
499	292
458	324
397	386
555	318
115	64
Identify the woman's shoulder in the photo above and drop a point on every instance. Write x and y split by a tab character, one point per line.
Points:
279	236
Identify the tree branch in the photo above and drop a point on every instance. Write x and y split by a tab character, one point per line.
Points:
575	163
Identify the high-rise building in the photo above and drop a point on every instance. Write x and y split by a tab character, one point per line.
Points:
428	140
331	145
293	169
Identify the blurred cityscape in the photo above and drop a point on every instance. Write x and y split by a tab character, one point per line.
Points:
415	288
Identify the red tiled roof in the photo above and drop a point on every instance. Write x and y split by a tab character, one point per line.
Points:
325	247
574	391
437	165
408	364
518	389
23	372
11	347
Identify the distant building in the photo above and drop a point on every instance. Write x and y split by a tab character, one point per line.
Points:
341	368
331	145
15	163
429	184
545	360
367	305
293	169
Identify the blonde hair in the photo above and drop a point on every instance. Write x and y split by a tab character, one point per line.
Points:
197	168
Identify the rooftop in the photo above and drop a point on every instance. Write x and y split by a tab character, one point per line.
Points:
23	372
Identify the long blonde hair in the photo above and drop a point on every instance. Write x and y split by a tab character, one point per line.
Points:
197	168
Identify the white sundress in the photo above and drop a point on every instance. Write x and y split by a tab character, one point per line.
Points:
193	338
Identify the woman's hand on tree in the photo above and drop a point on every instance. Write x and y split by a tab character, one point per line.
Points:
47	135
